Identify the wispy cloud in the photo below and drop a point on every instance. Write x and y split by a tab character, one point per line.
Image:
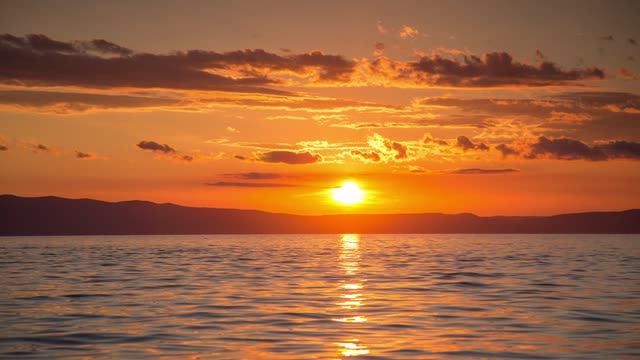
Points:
289	157
156	147
249	184
407	32
478	171
84	155
255	176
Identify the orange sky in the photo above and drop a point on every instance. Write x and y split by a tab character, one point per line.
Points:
428	106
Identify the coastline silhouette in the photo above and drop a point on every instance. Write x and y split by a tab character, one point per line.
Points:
59	216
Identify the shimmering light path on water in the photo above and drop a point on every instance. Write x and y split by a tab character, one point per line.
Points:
321	297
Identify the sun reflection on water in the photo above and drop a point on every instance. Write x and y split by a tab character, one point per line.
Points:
352	348
352	296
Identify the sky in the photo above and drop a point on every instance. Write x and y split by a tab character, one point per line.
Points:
487	107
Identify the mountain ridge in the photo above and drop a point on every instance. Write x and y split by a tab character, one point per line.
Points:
51	215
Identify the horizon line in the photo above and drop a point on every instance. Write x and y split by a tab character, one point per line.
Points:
318	215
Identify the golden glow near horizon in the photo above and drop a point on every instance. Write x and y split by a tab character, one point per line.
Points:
348	194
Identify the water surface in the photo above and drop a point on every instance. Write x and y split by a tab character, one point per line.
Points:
321	297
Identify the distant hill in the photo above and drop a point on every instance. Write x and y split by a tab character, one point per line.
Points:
59	216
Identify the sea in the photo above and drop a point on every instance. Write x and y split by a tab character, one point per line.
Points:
343	296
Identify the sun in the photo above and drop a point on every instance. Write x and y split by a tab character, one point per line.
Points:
349	194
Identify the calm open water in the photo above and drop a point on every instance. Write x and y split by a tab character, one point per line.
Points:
321	297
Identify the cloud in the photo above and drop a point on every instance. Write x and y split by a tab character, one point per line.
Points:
187	158
507	150
285	117
40	61
621	150
378	49
240	157
474	171
589	115
289	157
73	102
608	38
42	43
84	155
570	149
407	32
465	144
457	122
106	47
428	139
388	147
381	29
632	41
249	184
255	176
601	99
366	156
625	73
496	69
564	149
232	130
42	148
4	148
155	147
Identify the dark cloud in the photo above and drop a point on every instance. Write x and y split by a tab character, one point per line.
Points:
156	147
585	115
608	38
42	148
601	98
621	150
4	148
39	61
465	144
187	158
632	41
506	150
428	139
240	157
255	176
249	184
370	156
474	171
563	149
106	47
41	42
401	150
570	149
497	69
67	102
84	155
289	157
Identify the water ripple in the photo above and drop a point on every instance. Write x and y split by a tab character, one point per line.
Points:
320	297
